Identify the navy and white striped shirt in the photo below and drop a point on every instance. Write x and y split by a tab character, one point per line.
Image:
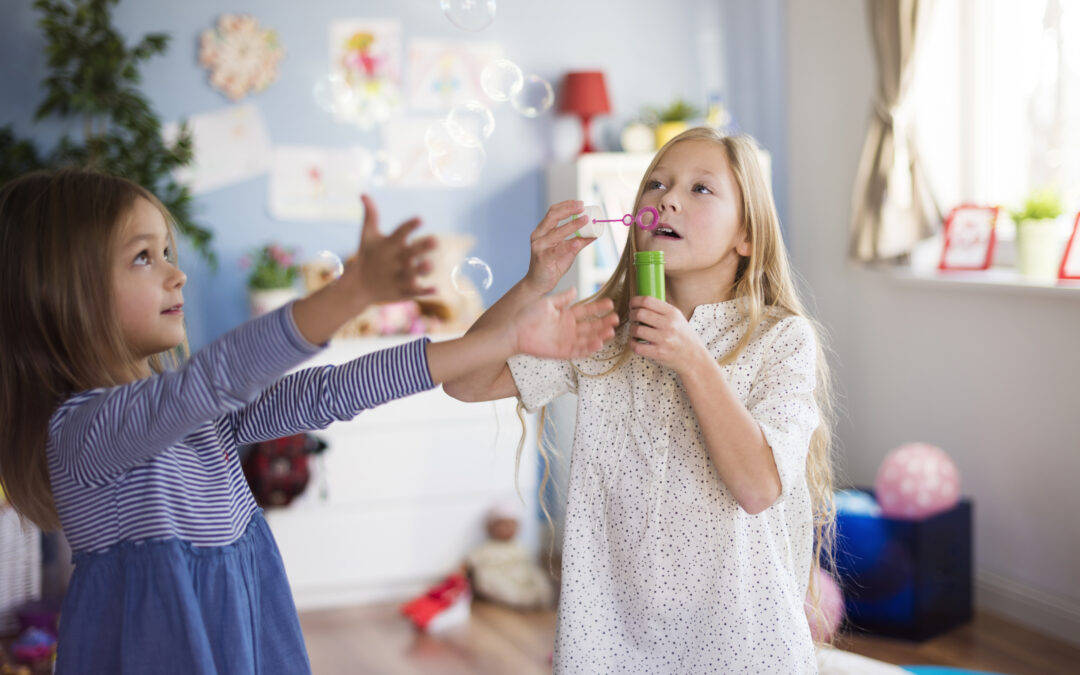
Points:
157	457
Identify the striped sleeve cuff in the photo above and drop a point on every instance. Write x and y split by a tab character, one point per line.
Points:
292	332
382	376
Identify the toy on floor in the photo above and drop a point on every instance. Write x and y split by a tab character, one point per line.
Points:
916	481
502	570
441	607
826	618
33	645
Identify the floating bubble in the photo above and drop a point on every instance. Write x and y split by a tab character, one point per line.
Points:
331	262
470	15
471	277
534	96
470	123
386	168
361	166
333	94
459	166
438	139
500	79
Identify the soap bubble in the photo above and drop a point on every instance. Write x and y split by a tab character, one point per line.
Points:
500	79
533	97
471	276
333	94
360	167
386	168
438	138
330	261
459	166
470	15
470	123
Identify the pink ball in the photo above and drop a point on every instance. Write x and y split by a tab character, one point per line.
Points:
825	620
915	481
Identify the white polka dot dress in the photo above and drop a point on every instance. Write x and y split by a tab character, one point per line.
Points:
663	572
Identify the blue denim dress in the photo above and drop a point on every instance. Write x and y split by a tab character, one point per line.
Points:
165	606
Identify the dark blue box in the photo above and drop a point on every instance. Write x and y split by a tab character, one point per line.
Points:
906	578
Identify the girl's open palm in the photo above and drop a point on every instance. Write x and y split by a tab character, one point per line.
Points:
551	252
551	328
387	268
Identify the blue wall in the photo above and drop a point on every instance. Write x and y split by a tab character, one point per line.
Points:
650	53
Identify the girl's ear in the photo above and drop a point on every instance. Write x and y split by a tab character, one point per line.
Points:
743	248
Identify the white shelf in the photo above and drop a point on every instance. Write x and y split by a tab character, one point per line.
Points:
399	497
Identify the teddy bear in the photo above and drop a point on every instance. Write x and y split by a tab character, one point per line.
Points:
502	570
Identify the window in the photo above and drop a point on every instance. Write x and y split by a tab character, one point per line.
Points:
996	99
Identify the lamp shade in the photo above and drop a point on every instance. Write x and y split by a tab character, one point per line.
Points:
585	94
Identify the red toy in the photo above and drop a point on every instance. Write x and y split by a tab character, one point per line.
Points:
442	606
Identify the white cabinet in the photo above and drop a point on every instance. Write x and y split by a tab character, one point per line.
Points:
399	497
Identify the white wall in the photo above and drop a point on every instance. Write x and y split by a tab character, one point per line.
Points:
991	376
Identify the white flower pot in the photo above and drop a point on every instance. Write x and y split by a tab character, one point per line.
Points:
1038	249
263	301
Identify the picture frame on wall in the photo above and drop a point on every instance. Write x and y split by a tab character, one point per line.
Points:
970	235
1070	260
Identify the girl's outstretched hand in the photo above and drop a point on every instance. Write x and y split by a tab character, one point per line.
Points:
669	339
551	328
387	267
552	252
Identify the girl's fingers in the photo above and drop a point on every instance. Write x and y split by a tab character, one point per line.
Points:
420	247
596	308
647	316
556	213
370	226
649	302
561	300
647	333
405	229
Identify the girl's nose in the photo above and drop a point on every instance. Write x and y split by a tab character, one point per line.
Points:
669	203
178	278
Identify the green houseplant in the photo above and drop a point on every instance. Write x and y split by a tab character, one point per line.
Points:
673	120
272	280
1038	248
93	77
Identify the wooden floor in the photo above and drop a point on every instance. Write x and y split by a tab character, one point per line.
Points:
498	641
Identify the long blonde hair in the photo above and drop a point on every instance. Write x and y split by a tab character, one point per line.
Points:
763	283
58	328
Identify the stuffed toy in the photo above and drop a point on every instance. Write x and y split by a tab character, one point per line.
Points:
502	570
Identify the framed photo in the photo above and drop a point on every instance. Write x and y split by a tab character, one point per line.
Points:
970	235
1070	262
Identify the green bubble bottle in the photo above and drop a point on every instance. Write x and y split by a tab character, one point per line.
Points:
650	273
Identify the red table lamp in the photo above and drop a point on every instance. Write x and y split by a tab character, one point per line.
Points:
584	94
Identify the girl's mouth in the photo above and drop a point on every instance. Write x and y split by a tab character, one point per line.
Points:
666	231
175	310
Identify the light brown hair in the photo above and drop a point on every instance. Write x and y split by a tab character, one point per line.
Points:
58	329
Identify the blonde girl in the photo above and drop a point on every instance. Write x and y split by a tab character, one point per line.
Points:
700	479
134	456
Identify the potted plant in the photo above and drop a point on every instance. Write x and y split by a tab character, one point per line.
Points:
1038	247
272	281
672	120
92	76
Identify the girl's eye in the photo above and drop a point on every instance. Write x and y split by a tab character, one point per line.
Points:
143	258
168	254
704	189
653	185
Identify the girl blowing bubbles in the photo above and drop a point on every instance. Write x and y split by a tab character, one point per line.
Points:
176	570
700	470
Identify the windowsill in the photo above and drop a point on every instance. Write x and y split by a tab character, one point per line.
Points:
994	280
